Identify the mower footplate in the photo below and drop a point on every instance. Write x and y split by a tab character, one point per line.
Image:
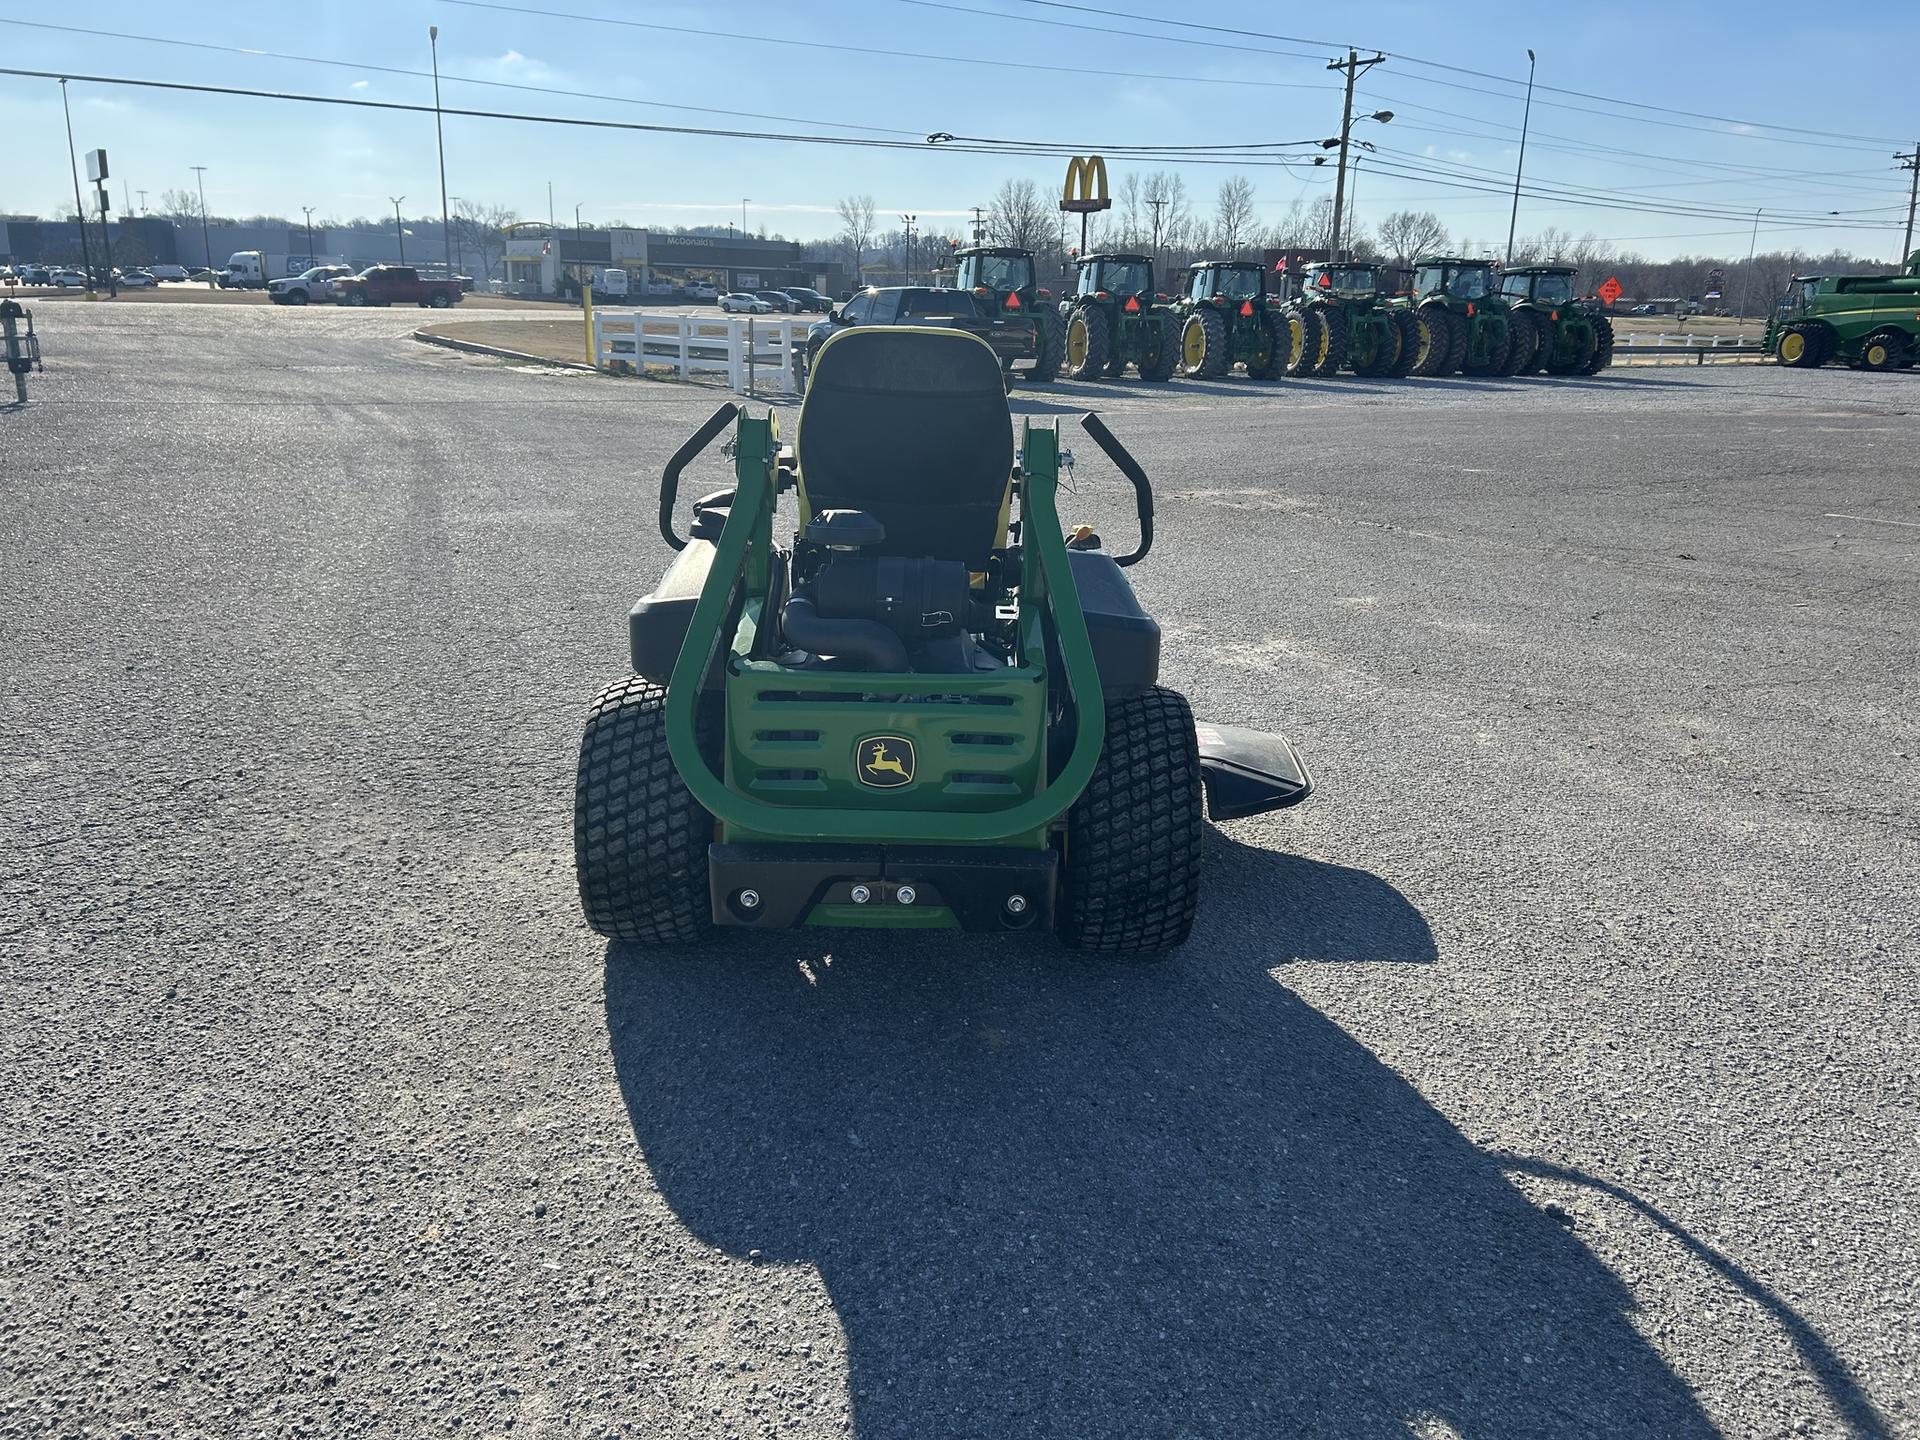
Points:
776	887
1249	772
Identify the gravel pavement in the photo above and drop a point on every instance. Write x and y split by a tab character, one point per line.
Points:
1555	1071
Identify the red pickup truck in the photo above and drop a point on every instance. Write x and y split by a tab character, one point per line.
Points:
386	284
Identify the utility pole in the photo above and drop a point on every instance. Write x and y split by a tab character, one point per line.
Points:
1354	67
907	221
1910	162
399	233
1526	119
979	226
79	206
143	200
1156	201
1746	275
200	174
446	225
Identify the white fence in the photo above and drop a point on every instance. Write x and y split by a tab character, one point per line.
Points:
753	352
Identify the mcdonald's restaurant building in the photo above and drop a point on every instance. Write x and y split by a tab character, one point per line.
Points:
556	260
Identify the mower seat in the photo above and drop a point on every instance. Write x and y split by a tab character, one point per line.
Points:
910	426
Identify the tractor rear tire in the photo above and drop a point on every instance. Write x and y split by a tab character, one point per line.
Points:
1300	334
1276	357
1584	344
1602	356
1203	345
1158	366
1495	359
1131	877
1523	340
1885	349
1090	342
1448	342
1338	337
1051	340
639	837
1313	340
1413	336
1374	356
1805	347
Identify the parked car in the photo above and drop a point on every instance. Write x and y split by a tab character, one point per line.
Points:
700	290
810	300
201	275
780	300
66	279
309	287
168	272
1011	337
135	279
739	302
387	284
33	275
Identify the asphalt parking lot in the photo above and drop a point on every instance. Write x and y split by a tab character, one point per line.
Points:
1551	1072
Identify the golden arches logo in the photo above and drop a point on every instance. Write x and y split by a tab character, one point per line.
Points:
1086	187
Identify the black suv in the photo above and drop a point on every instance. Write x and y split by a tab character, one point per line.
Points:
1011	339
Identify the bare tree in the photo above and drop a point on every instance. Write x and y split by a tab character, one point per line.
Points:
856	215
1019	217
1125	230
1233	228
1166	196
178	205
1405	235
480	228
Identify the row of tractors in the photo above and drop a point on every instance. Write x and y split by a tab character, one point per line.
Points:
1462	317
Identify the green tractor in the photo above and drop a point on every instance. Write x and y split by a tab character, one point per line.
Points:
1348	318
1005	283
1571	338
1229	317
1114	319
1461	302
926	709
1870	321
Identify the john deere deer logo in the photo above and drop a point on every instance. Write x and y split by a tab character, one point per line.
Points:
884	760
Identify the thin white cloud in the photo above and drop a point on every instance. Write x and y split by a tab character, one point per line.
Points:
358	85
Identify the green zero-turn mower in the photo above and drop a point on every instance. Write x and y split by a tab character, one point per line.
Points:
929	710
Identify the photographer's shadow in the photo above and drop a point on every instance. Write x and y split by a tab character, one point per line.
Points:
1051	1196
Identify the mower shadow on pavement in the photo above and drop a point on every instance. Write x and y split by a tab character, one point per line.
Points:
1053	1197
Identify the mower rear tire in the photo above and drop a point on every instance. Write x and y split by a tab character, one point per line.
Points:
1413	337
1203	345
1338	338
639	837
1088	339
1602	356
1275	355
1131	880
1158	366
1523	339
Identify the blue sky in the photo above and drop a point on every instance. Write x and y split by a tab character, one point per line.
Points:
1453	139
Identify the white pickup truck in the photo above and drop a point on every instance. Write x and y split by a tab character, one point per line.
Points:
310	287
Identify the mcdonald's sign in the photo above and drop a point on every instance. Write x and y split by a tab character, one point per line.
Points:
1086	187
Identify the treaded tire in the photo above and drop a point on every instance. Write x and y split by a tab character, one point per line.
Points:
1131	881
1449	342
1215	358
1099	339
1279	348
1523	339
1885	349
1313	341
1052	338
1412	336
1496	356
1816	345
1159	366
1335	355
639	837
1385	354
1583	346
1602	356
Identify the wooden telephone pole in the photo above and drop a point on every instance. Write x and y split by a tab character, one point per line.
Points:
1354	67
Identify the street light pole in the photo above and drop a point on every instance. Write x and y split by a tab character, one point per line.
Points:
1746	275
308	211
440	139
743	219
79	206
908	220
200	174
1526	118
399	234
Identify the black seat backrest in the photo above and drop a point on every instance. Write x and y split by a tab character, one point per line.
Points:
912	427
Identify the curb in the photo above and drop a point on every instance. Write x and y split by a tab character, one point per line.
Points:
474	347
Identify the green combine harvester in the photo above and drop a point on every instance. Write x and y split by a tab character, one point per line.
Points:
924	709
1114	319
1228	317
1460	300
1347	313
1571	338
1872	322
1005	284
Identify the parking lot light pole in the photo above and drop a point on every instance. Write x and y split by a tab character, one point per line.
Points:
1526	118
908	220
743	218
200	174
440	140
307	210
79	206
399	235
